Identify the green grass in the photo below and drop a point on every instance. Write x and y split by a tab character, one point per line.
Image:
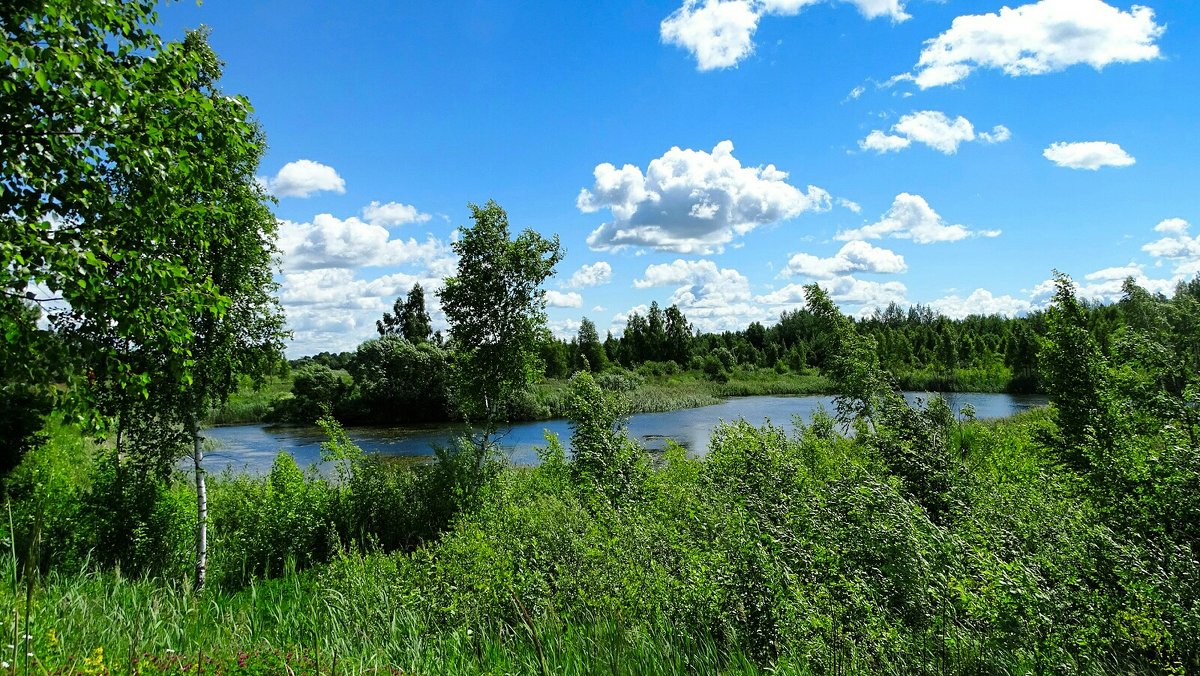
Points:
691	389
86	622
252	402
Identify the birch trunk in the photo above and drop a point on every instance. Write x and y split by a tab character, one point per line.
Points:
201	507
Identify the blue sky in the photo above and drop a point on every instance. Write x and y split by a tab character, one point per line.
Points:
720	154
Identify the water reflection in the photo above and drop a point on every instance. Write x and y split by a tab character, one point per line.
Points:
252	448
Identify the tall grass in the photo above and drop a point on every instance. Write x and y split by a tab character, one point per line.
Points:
252	401
84	620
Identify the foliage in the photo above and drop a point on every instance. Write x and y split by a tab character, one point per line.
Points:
605	461
496	310
1077	376
409	319
398	381
589	353
125	167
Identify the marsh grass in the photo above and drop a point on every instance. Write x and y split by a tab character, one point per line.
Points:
252	402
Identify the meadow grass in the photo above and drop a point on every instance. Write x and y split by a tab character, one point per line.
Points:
251	403
90	622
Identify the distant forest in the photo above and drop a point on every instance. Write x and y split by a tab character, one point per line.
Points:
401	374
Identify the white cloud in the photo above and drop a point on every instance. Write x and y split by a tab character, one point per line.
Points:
1088	155
330	242
1177	247
998	134
592	274
333	309
1037	38
560	299
712	298
1175	225
854	256
911	217
1111	290
844	289
696	280
980	302
881	142
1118	273
393	213
849	204
720	33
303	178
934	129
691	201
564	329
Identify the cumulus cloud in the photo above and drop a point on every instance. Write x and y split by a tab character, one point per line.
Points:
712	298
393	213
560	299
882	142
1173	225
1041	37
844	289
934	129
998	134
1178	247
854	256
303	178
691	201
981	302
564	329
591	274
1089	155
331	242
911	217
1116	273
335	309
720	33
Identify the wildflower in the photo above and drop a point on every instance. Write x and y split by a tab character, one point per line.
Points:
4	665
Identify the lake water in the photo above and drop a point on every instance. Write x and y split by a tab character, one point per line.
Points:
252	448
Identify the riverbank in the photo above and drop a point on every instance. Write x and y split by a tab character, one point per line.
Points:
547	400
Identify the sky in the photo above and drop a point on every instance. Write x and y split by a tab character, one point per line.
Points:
721	154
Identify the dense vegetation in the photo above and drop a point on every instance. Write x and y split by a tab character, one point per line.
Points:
664	363
1064	540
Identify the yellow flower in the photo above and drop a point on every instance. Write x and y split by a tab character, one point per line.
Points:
95	663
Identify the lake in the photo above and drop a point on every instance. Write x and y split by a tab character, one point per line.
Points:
252	448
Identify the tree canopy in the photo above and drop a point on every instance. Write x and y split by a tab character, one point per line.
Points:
496	310
115	147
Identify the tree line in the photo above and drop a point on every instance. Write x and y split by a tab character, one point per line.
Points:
402	375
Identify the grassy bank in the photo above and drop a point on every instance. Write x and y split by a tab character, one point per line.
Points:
651	393
647	393
313	623
252	401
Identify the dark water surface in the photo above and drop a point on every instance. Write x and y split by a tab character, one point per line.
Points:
252	448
